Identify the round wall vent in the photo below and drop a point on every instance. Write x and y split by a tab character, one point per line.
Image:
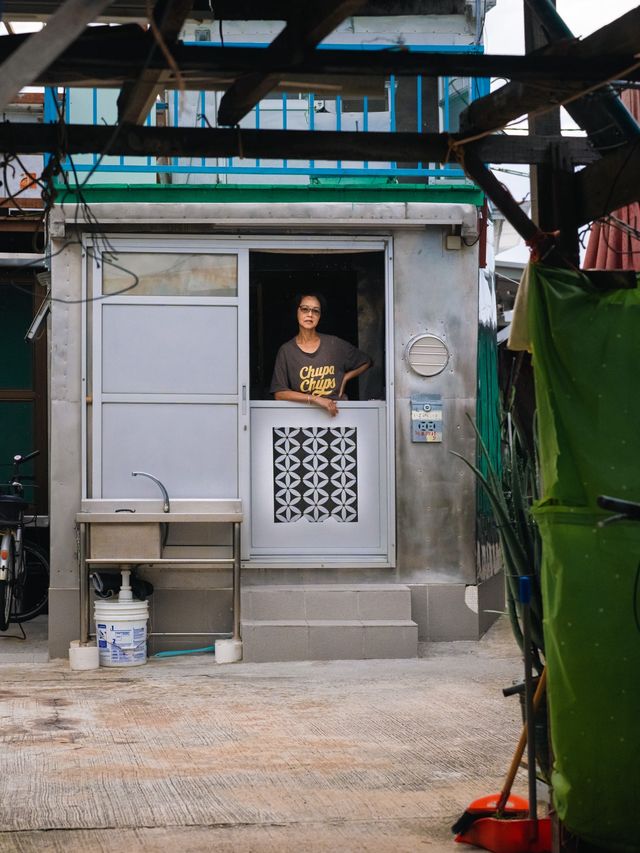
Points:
427	355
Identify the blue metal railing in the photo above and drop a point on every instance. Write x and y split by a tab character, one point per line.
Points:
277	111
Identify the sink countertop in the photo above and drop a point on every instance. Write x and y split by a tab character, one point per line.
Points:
183	511
160	517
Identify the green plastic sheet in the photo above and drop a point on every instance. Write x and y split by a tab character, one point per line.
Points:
586	356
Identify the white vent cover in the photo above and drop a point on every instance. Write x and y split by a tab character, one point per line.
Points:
427	355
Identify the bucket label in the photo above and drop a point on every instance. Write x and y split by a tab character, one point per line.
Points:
123	637
102	636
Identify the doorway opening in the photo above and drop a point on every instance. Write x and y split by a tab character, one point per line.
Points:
353	284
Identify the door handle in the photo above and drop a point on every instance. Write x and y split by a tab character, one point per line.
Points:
244	399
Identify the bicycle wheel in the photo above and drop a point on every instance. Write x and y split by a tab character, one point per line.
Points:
31	588
6	586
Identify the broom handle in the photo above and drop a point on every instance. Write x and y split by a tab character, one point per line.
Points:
517	756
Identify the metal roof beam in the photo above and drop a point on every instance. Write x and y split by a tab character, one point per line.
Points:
136	99
113	55
234	10
602	115
306	28
132	140
510	102
608	184
40	49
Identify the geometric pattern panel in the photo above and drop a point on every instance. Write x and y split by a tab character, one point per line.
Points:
315	474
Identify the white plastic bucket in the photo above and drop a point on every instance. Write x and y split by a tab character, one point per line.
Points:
121	632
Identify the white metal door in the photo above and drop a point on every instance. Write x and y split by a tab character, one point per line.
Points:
322	490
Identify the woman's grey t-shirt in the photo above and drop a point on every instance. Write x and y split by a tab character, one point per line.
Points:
320	372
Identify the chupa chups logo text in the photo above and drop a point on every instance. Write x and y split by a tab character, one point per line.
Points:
318	380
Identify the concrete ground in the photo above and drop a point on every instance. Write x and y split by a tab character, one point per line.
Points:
185	754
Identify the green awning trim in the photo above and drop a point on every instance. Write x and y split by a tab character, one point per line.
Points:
373	193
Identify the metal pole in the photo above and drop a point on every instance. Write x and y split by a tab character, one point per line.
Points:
84	585
236	580
525	599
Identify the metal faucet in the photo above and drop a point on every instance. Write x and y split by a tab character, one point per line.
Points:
166	507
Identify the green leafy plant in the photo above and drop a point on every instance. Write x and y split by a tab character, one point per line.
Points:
511	497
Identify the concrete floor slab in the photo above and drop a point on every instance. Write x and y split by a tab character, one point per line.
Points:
185	754
30	648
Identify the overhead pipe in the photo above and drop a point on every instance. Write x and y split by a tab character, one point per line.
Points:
601	114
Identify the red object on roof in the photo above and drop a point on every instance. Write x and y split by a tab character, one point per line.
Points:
614	246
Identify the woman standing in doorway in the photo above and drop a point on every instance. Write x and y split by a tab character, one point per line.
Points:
314	368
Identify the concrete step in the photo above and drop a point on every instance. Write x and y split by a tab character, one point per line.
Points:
326	601
327	622
328	639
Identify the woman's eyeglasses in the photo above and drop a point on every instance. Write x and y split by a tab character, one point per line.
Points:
309	309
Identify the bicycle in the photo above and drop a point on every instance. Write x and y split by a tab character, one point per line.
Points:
625	510
24	568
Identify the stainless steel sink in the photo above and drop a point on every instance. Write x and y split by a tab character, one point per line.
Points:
138	511
131	528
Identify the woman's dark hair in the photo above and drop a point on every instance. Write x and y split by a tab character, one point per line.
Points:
300	296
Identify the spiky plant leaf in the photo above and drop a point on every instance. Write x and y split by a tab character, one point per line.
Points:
517	532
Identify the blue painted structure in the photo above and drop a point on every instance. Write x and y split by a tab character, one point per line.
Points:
282	111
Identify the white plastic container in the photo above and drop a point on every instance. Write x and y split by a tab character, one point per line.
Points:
121	632
83	657
228	651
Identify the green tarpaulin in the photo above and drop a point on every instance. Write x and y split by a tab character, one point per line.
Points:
586	354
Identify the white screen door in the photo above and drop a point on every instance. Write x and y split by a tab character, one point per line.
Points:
169	370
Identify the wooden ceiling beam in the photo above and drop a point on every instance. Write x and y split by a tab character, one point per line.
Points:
41	48
516	99
136	99
305	29
132	140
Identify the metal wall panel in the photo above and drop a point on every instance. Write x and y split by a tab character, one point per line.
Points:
169	349
192	448
436	291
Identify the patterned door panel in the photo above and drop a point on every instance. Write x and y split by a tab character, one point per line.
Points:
315	474
318	485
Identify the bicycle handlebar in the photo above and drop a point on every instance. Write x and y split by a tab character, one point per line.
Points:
16	479
19	459
630	509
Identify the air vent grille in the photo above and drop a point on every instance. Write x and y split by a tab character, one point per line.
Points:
427	355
